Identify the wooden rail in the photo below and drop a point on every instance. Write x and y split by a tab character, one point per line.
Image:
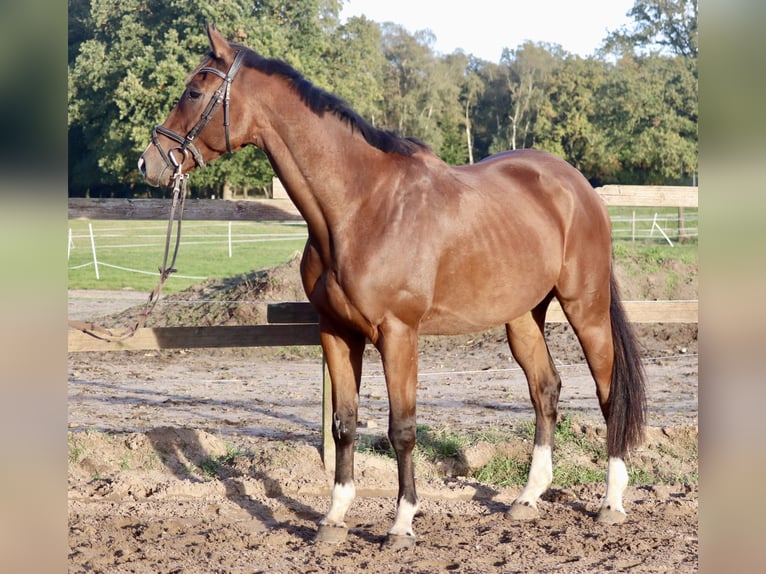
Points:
194	209
649	195
284	210
297	324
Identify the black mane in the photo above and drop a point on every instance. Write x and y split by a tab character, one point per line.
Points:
319	101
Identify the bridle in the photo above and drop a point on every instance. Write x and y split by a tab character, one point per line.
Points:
220	96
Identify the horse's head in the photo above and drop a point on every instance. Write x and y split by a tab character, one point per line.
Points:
207	120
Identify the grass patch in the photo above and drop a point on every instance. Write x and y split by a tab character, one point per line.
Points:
137	248
439	443
579	455
76	449
649	257
213	467
568	474
503	471
572	446
432	443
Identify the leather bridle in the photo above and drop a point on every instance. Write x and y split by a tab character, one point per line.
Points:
220	96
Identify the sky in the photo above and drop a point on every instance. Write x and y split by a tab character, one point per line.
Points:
484	27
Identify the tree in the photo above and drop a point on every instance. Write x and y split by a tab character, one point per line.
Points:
128	64
648	109
409	62
629	117
471	89
530	72
567	123
670	25
355	64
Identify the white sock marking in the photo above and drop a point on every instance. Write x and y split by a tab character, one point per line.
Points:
405	512
540	475
340	501
616	482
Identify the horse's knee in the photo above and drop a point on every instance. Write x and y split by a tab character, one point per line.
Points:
344	427
402	435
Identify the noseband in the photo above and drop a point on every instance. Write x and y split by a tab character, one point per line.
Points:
221	95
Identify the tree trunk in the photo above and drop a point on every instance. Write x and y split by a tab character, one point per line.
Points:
227	191
468	140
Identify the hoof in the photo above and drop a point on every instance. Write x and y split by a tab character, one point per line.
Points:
610	516
522	511
328	534
398	541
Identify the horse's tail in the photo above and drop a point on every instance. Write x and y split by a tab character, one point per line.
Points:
627	396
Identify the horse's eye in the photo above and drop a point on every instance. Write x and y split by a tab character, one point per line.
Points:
194	95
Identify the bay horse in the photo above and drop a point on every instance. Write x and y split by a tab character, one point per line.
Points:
401	244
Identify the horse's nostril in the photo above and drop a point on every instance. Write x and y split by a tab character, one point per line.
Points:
142	166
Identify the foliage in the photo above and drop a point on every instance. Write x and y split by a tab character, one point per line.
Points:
669	25
627	114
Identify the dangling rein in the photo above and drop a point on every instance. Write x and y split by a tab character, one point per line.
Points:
180	181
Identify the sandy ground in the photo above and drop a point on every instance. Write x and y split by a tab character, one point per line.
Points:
145	429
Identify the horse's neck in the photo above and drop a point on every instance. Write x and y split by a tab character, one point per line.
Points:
315	158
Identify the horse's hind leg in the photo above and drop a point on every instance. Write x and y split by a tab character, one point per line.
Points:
343	353
594	332
527	342
612	354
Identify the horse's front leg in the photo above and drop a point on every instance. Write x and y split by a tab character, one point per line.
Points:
343	353
398	346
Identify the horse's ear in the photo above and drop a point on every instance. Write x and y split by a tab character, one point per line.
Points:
218	44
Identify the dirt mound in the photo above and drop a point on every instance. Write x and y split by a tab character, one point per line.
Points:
237	300
242	299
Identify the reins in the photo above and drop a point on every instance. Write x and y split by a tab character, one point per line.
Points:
180	182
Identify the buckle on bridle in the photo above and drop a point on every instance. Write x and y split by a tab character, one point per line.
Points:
178	164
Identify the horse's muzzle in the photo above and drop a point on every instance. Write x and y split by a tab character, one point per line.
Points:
151	176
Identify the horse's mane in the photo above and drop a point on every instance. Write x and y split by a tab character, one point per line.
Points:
320	101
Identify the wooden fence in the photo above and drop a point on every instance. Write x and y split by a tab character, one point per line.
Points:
296	323
284	210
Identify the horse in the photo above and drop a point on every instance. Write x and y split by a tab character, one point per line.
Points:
400	244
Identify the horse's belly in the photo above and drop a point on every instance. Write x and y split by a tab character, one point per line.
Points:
474	315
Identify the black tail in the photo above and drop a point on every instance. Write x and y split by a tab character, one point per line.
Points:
627	396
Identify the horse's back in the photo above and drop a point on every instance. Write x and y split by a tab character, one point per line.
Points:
532	173
539	193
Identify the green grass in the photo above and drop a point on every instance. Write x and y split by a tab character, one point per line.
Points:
211	467
204	252
627	221
650	257
579	456
569	442
502	471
